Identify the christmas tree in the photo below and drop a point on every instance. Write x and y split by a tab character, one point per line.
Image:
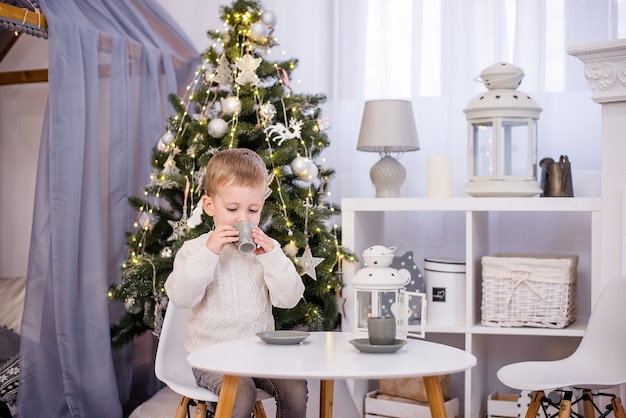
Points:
238	98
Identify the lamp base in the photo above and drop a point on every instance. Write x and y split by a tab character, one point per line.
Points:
387	175
504	188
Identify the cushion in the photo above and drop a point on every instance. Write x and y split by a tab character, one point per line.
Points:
12	302
9	380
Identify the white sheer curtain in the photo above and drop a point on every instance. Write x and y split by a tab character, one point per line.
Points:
429	51
111	67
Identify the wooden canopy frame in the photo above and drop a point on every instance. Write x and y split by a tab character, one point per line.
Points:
8	40
36	19
23	14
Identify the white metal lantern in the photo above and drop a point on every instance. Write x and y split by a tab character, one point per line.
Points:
502	136
378	291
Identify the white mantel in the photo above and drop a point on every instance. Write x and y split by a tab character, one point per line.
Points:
605	70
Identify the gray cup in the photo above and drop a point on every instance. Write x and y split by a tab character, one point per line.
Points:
381	330
246	243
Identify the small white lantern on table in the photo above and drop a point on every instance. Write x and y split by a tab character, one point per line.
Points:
502	136
378	290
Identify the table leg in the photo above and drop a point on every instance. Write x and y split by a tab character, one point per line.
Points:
327	388
435	397
226	400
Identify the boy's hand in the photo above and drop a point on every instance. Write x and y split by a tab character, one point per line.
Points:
263	242
221	235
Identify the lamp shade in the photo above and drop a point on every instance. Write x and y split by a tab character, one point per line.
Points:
388	126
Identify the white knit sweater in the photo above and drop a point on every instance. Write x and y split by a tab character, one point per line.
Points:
232	294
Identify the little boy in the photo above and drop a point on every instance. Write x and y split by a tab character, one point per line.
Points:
230	292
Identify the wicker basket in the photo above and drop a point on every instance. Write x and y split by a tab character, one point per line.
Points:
529	290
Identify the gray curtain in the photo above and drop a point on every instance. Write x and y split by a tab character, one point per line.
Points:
112	64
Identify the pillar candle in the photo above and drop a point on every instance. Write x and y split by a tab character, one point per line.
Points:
439	176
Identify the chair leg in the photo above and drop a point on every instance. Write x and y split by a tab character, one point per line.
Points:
588	409
200	410
183	407
259	411
535	403
565	408
618	409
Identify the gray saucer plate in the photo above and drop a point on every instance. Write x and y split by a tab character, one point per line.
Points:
283	337
363	345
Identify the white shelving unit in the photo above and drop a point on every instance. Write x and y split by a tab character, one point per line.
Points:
470	228
593	228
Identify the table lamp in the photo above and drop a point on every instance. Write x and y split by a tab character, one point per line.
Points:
388	126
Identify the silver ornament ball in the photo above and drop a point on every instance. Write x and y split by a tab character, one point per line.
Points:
267	111
167	138
259	31
299	166
217	128
311	172
231	105
291	250
309	111
166	252
145	220
269	18
132	305
323	123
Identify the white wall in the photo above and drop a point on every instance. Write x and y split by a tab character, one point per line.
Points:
301	34
22	108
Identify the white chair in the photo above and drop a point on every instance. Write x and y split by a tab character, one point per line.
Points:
599	361
171	366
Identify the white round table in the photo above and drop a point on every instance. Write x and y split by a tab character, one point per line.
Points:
328	356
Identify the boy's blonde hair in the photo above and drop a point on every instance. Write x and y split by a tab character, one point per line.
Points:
237	167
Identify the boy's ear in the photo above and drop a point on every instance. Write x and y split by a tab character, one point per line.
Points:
207	205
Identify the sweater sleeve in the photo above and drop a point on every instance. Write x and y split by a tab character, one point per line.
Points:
194	269
281	278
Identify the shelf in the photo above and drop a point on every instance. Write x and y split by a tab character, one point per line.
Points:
486	204
577	329
469	228
445	329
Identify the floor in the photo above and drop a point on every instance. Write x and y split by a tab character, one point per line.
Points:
164	403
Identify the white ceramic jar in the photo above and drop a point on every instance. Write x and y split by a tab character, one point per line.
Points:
445	291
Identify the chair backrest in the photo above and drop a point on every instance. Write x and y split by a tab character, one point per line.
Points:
605	338
171	340
170	364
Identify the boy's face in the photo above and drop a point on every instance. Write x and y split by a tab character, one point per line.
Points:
231	204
